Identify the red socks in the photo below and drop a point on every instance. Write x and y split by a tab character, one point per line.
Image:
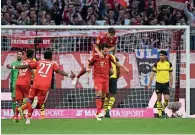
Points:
98	104
16	113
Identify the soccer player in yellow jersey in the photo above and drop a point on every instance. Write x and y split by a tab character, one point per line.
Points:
164	80
110	99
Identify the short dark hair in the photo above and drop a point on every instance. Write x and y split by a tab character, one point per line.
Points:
102	46
48	55
20	51
163	52
29	53
111	31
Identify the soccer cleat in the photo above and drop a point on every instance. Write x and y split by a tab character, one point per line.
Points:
35	101
21	112
27	121
74	81
98	118
107	114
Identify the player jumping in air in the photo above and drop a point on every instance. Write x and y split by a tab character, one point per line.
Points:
164	80
110	98
101	75
23	81
13	78
42	81
108	38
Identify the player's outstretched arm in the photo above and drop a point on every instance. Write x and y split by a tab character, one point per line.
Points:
64	73
18	67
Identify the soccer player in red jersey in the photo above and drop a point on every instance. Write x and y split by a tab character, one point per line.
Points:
23	81
108	38
42	81
101	75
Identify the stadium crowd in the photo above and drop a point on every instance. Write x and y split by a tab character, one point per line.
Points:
92	12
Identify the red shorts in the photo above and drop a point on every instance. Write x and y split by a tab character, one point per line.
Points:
41	94
22	92
101	86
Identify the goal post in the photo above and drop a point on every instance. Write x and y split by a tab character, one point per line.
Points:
137	46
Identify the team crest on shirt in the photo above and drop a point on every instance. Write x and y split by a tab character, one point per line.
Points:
102	63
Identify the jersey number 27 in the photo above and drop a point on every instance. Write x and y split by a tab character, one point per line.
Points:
44	68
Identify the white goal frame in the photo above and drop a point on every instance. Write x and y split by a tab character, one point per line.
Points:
187	42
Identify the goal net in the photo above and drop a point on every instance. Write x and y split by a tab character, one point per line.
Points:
137	49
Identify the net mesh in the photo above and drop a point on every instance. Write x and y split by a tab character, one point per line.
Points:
137	49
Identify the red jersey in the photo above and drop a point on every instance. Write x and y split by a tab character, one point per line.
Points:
101	67
43	75
24	75
104	38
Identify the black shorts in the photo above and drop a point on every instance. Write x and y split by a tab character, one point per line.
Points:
162	88
112	85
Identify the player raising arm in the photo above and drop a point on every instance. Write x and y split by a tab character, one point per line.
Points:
164	80
42	81
101	75
108	38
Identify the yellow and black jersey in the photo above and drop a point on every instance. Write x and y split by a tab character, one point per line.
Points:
162	70
114	67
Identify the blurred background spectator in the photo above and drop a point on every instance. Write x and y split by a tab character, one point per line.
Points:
95	12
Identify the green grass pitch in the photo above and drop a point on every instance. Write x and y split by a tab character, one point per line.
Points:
106	126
